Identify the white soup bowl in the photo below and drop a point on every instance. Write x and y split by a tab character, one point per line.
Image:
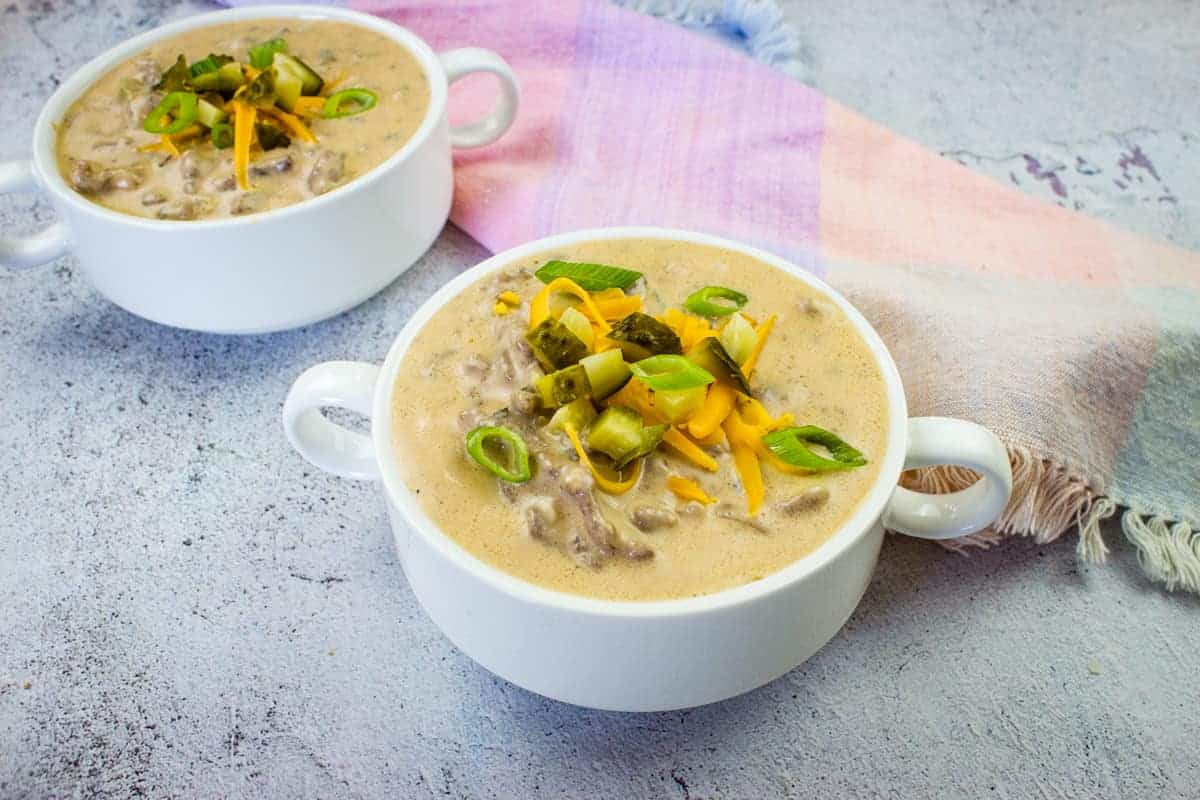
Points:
644	656
281	268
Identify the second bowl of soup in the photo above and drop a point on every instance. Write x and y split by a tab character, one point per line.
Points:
254	169
641	469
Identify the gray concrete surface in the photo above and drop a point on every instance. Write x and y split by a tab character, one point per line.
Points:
188	610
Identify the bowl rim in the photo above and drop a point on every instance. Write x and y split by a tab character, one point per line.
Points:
860	523
45	132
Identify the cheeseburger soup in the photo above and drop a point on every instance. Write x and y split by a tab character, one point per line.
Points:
689	422
241	117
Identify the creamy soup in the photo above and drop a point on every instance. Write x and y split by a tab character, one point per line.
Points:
690	524
327	102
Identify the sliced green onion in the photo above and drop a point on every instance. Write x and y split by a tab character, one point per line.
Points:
222	135
178	107
349	102
791	446
262	54
211	63
593	277
484	441
700	302
668	373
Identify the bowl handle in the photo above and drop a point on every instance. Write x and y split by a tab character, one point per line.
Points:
467	60
22	252
332	447
941	440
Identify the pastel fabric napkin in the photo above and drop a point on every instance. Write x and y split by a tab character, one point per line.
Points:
1077	342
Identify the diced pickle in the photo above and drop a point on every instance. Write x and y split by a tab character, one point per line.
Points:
641	336
208	114
176	78
619	434
555	346
617	431
288	88
578	325
607	372
562	387
652	435
211	63
711	355
680	404
261	91
271	136
738	338
577	414
310	81
226	79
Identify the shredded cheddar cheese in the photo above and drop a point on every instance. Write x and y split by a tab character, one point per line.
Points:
243	132
539	309
634	394
506	302
695	330
762	333
164	145
170	144
712	440
744	442
612	308
717	405
756	414
600	342
292	123
309	106
681	444
690	329
686	489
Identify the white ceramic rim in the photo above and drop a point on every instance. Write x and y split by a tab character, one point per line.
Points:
45	135
869	510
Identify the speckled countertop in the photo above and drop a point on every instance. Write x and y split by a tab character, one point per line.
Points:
188	610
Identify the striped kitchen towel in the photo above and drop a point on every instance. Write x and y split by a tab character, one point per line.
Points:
1077	342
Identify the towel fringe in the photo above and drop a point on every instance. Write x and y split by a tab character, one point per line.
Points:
1048	499
1091	547
1169	552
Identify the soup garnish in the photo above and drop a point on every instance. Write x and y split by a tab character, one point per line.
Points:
619	383
593	277
701	302
487	443
240	118
266	100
